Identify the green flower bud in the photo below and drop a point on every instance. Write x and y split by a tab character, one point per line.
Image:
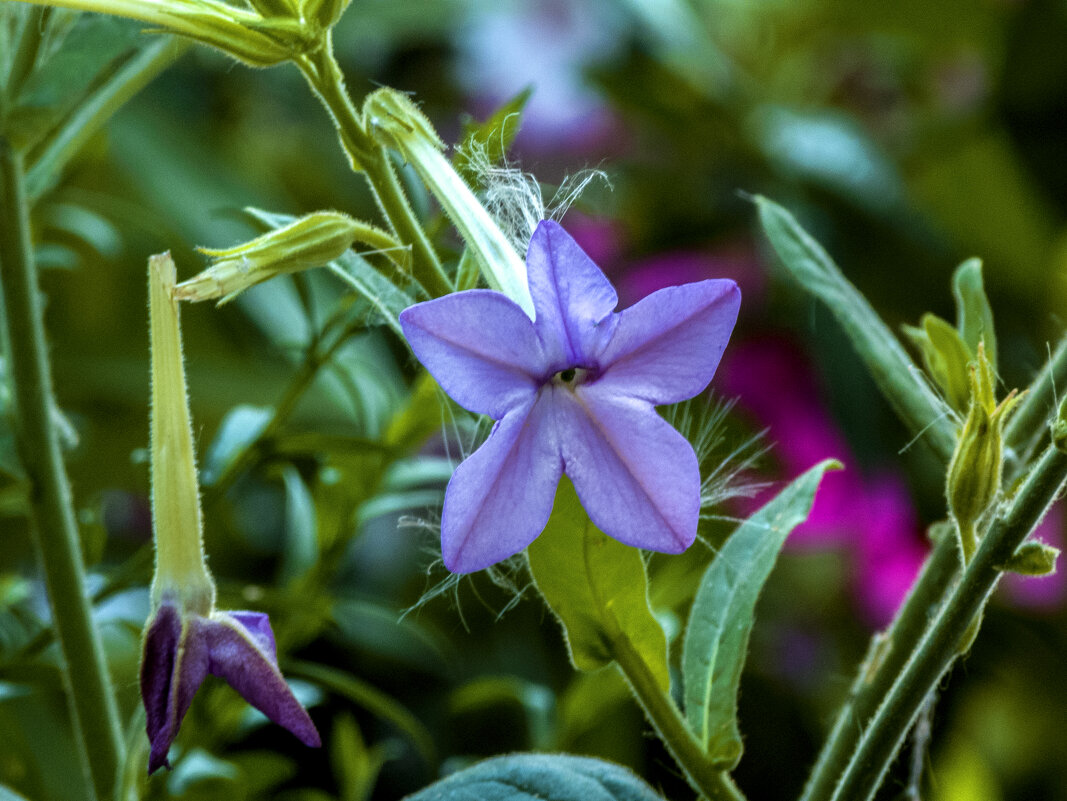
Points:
308	242
276	8
973	481
396	122
252	36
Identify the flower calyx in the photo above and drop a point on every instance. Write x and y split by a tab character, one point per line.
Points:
973	479
308	242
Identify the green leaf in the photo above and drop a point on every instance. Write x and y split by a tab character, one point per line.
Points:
540	777
301	549
238	431
895	374
370	698
597	587
946	357
486	143
716	637
974	317
1032	559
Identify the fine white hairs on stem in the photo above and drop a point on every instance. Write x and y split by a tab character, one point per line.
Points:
515	200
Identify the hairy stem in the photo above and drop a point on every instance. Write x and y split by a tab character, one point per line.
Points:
711	782
326	80
1029	423
885	733
886	657
92	700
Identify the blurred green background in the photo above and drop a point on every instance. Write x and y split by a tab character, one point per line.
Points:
906	136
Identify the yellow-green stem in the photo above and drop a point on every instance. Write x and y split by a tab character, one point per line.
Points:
326	80
711	782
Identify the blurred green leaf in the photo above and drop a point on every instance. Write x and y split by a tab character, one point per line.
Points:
354	764
540	777
374	629
239	429
197	767
7	794
892	370
370	698
301	550
537	702
597	587
716	637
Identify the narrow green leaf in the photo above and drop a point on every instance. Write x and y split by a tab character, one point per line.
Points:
301	549
597	587
540	777
893	371
716	637
974	316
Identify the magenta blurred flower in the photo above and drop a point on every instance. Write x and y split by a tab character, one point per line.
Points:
870	517
574	392
180	650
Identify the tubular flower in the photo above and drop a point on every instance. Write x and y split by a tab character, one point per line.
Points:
574	392
185	637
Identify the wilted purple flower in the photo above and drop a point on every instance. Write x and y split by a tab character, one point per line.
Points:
238	647
186	638
574	392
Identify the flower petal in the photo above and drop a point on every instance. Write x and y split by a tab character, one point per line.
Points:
237	657
258	628
667	346
500	498
636	476
157	671
173	666
480	346
573	299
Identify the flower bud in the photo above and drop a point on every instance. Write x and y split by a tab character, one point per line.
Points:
310	241
395	121
256	37
973	481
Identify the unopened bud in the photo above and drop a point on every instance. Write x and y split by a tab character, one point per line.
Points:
945	357
973	481
324	12
396	122
311	241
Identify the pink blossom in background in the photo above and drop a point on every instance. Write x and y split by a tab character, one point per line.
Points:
871	518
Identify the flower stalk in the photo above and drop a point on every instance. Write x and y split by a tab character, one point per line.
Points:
327	82
52	522
940	645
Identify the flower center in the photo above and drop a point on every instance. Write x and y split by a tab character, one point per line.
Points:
572	377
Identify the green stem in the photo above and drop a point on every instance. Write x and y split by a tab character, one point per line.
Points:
884	735
91	698
711	782
1030	419
886	657
326	80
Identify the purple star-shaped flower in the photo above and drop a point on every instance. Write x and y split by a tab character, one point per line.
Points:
181	650
574	392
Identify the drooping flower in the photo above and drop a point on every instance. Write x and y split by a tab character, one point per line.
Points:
186	638
573	391
180	650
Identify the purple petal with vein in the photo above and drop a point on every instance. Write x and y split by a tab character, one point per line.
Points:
573	299
667	346
480	346
500	498
636	476
241	661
